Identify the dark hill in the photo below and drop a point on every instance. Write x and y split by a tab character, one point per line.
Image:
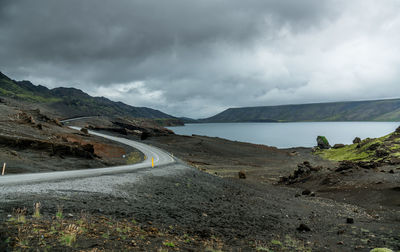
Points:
377	110
71	102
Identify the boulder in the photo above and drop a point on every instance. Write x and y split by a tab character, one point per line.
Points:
39	126
242	175
303	228
323	143
357	140
346	165
85	131
337	146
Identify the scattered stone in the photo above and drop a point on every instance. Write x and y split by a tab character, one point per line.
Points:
283	179
381	153
14	153
357	140
338	146
323	143
297	195
367	165
340	243
316	168
293	153
374	146
349	220
341	231
391	171
85	131
144	136
242	175
394	161
346	165
306	192
39	126
303	228
314	149
57	122
312	194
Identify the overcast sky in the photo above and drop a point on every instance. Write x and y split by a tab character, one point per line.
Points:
196	58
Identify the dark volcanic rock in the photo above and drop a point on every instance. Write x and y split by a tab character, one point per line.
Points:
85	131
367	165
306	192
323	142
349	220
394	161
337	146
302	172
381	153
374	146
346	165
303	228
242	175
357	140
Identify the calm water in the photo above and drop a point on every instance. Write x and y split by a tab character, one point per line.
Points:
284	135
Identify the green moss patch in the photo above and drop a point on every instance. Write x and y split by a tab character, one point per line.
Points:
366	150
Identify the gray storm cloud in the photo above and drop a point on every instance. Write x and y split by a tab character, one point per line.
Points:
196	58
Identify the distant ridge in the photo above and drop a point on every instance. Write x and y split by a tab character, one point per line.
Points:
72	102
374	110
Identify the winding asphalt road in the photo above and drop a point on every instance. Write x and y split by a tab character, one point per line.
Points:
161	158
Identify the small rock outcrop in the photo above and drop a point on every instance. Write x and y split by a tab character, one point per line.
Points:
346	165
85	131
380	153
242	175
357	140
337	146
302	172
323	143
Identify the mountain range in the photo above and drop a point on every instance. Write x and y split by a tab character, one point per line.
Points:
72	102
376	110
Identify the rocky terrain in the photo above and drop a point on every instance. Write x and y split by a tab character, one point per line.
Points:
224	196
30	141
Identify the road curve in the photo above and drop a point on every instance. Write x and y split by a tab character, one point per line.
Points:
161	158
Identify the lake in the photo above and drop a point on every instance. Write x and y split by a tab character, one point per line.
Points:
285	135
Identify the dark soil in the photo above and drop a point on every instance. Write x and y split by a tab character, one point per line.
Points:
240	215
